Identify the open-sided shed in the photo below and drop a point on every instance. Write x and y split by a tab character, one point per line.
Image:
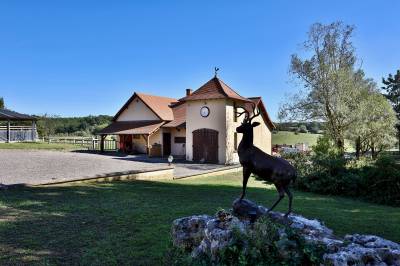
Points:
15	129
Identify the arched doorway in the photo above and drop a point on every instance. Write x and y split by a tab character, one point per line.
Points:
205	145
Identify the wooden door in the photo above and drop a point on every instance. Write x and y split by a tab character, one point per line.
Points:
125	143
205	145
166	144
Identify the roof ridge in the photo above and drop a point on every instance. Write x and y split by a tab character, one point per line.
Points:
221	82
215	88
158	96
221	87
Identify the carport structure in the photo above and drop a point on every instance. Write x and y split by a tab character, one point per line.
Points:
128	131
11	132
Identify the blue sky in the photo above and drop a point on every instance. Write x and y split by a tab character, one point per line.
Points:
75	58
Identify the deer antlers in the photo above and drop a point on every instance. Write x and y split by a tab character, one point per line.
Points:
248	118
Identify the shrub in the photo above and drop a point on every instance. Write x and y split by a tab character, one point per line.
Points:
327	172
303	129
267	243
382	181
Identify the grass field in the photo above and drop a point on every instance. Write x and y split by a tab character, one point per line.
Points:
128	223
38	146
290	138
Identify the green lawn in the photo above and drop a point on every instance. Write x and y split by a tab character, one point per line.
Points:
38	146
290	138
128	223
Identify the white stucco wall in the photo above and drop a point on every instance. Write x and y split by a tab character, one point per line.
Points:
156	137
216	120
139	145
262	134
231	154
137	110
178	149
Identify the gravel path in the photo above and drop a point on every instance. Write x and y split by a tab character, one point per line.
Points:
38	167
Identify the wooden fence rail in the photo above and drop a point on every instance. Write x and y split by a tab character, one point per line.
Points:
88	143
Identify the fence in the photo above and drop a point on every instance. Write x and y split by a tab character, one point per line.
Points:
17	133
87	143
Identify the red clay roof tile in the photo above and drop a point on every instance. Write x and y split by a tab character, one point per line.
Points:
158	104
132	127
214	89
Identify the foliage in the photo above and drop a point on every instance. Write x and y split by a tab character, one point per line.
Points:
374	129
329	78
2	106
303	129
382	181
338	93
266	243
325	171
312	127
392	89
76	126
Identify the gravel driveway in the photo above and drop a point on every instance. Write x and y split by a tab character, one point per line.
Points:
38	167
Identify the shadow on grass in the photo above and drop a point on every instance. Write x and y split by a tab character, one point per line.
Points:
129	222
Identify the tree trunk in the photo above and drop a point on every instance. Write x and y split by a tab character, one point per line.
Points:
358	147
340	145
398	137
373	152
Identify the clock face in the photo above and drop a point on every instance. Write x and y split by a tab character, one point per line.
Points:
204	111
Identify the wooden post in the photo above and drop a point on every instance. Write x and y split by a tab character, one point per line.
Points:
93	144
146	138
33	130
8	131
102	138
148	146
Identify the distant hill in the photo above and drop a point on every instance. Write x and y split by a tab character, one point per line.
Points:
303	127
72	126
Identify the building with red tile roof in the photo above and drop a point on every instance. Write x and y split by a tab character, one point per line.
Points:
198	127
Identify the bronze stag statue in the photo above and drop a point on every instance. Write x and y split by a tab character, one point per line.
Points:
254	161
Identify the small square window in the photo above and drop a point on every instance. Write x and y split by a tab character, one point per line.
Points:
180	139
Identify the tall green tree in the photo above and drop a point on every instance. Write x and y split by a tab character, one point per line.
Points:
392	93
2	103
329	80
374	129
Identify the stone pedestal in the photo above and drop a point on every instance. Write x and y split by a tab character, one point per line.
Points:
203	234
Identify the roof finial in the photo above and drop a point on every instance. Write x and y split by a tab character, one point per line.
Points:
216	69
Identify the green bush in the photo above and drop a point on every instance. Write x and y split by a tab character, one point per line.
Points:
325	171
263	245
382	181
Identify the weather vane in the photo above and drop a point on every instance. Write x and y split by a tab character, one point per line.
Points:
216	69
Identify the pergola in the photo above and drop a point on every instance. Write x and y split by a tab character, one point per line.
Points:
10	133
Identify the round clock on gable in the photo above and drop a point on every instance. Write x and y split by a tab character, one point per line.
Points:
204	111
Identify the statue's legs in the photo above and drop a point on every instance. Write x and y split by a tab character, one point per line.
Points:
281	195
246	175
290	200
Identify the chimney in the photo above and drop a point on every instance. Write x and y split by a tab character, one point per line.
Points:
188	92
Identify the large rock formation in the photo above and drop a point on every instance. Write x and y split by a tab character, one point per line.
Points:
203	234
